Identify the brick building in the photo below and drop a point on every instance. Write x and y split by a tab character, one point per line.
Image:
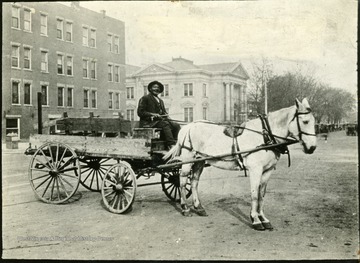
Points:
74	56
215	92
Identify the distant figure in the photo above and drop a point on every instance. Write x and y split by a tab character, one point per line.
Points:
152	113
324	131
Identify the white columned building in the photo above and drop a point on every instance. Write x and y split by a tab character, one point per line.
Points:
192	92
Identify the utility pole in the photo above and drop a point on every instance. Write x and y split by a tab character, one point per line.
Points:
265	92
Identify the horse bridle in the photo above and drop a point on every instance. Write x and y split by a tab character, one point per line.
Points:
297	113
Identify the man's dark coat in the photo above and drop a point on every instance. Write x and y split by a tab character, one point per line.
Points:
148	105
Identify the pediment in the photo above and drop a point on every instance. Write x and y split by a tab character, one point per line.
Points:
240	71
153	69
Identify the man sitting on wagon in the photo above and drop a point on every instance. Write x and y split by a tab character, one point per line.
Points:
152	113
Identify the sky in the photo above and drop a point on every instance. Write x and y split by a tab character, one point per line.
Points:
319	36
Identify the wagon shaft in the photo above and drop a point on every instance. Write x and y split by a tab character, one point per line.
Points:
260	148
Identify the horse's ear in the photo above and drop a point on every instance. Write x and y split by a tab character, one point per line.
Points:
298	103
305	103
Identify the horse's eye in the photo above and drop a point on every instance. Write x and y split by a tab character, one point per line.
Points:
305	122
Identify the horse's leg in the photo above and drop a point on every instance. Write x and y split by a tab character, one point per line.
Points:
197	170
263	183
255	173
185	171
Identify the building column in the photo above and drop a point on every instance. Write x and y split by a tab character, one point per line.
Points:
245	102
227	102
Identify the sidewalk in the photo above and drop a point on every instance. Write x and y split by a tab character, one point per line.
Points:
23	145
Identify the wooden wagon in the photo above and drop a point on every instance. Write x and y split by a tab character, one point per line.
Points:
103	155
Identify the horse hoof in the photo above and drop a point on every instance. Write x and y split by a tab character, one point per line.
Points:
186	212
267	225
258	227
201	212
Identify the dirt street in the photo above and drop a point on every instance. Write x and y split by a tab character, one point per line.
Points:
313	206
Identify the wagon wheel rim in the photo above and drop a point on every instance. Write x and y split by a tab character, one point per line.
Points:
93	171
53	173
118	188
170	182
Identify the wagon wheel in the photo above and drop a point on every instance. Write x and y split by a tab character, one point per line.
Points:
119	187
93	170
170	182
53	173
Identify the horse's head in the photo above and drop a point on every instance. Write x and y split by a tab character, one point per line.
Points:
302	126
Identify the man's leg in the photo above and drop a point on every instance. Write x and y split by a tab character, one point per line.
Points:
166	129
175	128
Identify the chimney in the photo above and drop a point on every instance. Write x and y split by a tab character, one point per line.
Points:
103	12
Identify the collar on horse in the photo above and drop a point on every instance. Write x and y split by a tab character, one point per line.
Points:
269	138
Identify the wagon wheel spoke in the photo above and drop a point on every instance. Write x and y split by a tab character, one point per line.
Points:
49	177
46	165
39	177
47	186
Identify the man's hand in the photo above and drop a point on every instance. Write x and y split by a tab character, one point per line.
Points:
156	116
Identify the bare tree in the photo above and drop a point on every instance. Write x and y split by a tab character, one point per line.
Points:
261	72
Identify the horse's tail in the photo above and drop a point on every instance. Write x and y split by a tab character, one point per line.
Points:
176	149
173	152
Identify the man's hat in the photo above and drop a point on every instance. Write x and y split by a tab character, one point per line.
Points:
161	86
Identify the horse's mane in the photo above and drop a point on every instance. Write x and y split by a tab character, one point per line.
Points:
281	117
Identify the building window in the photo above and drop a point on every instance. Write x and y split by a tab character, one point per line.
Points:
27	20
85	36
93	70
188	89
44	92
188	114
117	101
129	92
15	53
92	38
12	126
69	65
130	115
86	98
15	19
85	68
110	72
59	28
94	99
205	113
204	90
69	30
109	41
44	61
27	94
70	95
117	74
27	58
111	94
15	99
116	45
60	64
60	96
43	24
165	93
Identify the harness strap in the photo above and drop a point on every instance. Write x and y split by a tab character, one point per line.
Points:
238	157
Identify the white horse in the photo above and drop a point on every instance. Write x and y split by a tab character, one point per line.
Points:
203	139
